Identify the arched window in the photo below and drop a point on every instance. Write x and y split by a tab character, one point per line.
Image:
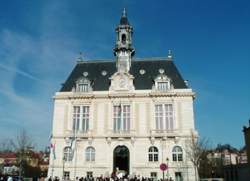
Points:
90	154
123	38
67	154
177	153
153	154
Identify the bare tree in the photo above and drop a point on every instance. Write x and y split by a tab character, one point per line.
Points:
22	146
5	146
196	149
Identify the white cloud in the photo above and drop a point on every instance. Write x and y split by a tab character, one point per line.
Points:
45	62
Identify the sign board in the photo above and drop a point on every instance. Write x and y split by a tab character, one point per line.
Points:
163	167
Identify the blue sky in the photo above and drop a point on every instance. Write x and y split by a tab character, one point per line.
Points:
40	42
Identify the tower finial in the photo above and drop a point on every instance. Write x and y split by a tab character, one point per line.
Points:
124	13
80	58
170	55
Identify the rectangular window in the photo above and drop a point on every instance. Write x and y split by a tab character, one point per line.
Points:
76	118
159	116
89	174
178	176
83	87
164	116
85	118
153	175
121	117
66	175
168	116
162	86
81	117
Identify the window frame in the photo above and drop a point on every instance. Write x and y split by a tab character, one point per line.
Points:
162	80
90	154
81	118
67	154
83	85
164	116
153	154
177	155
122	119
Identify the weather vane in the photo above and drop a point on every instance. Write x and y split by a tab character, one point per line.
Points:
80	58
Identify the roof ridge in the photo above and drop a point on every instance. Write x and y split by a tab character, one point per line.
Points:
134	59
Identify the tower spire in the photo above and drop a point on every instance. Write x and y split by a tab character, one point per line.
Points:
123	48
124	13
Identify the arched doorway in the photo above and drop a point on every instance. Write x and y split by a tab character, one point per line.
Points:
121	159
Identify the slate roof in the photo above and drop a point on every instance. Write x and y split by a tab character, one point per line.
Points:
124	21
145	81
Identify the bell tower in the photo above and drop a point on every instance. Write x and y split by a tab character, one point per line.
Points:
123	47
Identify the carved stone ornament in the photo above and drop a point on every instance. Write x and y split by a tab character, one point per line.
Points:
132	140
90	140
68	141
109	140
121	81
152	140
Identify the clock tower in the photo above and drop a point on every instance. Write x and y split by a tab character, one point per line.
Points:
123	48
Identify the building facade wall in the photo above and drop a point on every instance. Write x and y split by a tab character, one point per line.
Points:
141	136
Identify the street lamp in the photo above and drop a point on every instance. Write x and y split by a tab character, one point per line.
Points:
63	166
167	160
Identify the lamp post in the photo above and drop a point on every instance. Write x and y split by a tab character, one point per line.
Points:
63	167
167	160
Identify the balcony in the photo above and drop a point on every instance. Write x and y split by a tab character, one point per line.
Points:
164	133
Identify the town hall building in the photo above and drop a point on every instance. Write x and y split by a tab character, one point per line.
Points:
125	115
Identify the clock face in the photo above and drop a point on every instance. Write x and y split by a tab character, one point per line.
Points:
122	82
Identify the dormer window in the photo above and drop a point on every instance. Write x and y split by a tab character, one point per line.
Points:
162	86
83	85
162	83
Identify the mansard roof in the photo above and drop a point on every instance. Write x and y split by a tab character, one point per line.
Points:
101	82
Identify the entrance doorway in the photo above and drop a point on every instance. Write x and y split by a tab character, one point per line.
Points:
121	159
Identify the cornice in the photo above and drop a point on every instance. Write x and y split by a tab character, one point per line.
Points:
108	95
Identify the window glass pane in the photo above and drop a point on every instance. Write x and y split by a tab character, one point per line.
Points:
168	116
76	117
179	157
155	157
85	118
121	117
159	116
83	87
67	154
150	157
162	86
174	157
90	154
